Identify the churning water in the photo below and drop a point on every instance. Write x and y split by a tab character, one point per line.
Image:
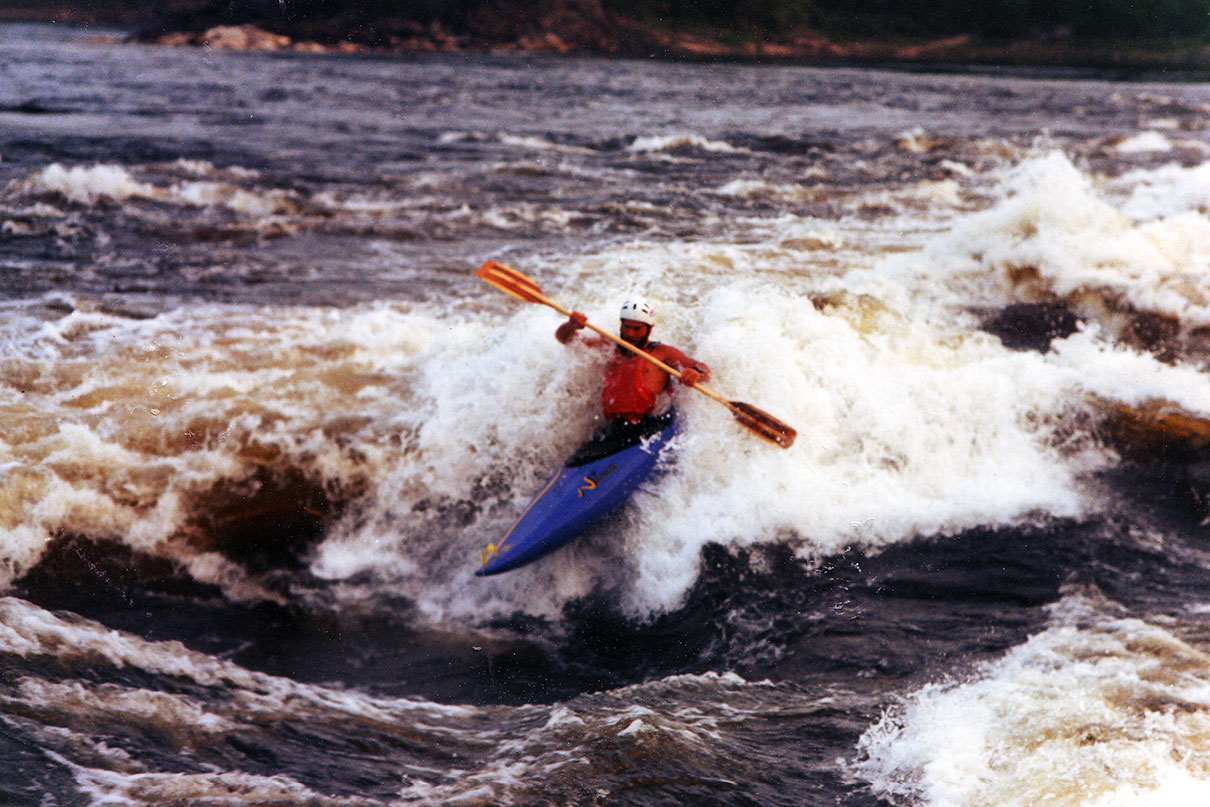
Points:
258	420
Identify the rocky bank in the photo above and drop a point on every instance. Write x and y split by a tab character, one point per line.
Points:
557	26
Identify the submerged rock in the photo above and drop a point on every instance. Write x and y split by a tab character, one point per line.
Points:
102	572
1032	326
1156	428
1160	434
269	520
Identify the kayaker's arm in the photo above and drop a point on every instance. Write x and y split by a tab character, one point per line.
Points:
692	371
567	331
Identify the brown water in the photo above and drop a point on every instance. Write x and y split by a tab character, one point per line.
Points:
258	420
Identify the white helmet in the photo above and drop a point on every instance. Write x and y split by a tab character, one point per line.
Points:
639	311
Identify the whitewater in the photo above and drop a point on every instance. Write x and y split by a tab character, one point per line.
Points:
258	422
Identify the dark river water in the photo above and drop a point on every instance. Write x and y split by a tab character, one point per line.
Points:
258	421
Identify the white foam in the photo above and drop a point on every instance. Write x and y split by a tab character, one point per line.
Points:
1115	713
915	140
1144	142
219	194
1169	191
755	188
87	184
105	788
1055	236
1129	376
684	140
155	711
556	753
534	143
762	189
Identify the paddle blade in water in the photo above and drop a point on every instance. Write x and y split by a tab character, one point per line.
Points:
763	423
511	282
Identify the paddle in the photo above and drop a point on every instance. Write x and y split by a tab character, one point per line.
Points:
518	285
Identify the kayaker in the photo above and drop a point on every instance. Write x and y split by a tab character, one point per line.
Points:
634	388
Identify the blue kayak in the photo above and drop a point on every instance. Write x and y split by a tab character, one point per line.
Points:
594	482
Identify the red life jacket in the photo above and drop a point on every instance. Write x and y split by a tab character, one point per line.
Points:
625	393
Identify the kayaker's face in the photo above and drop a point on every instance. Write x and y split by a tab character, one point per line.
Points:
635	333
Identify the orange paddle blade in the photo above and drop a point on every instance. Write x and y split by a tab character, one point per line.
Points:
763	424
511	281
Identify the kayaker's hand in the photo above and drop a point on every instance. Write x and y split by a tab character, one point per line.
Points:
567	331
690	376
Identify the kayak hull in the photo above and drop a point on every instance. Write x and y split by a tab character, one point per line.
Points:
584	491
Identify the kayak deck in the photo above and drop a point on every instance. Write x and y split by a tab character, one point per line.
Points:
598	478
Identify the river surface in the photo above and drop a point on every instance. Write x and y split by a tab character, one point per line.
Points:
258	422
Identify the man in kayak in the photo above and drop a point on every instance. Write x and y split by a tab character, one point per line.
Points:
634	388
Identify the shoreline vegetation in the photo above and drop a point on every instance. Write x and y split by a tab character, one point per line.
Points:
1091	34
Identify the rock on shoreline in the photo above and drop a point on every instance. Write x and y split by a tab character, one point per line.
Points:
247	37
